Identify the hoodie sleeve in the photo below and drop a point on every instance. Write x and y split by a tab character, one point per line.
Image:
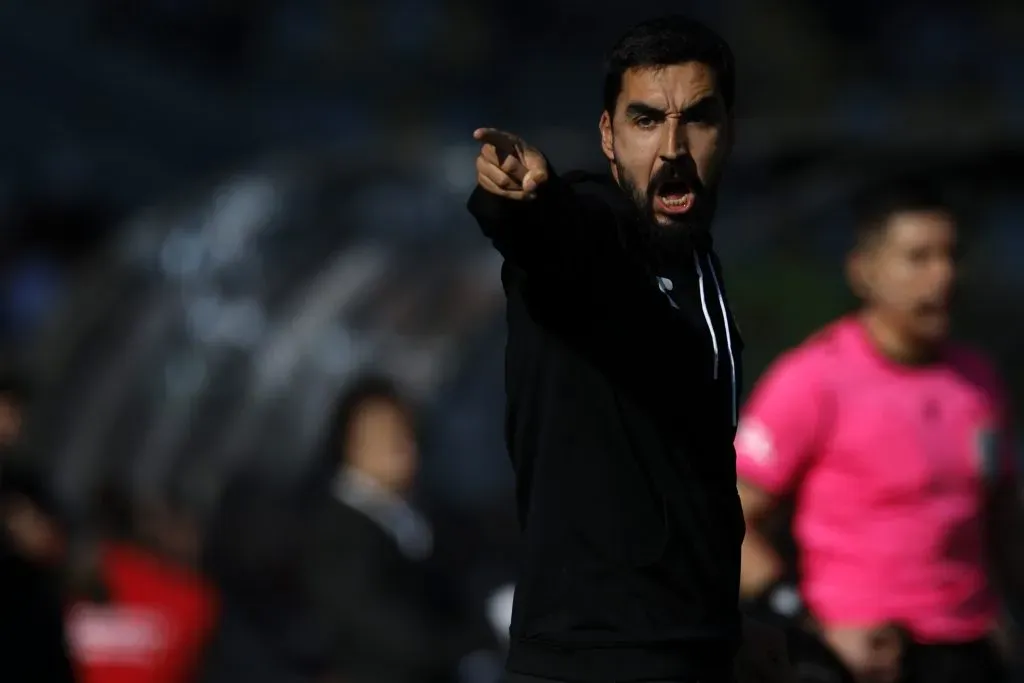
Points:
562	232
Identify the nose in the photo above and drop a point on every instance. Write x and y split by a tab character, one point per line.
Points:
674	142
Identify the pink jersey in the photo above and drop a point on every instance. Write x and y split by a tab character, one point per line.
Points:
888	467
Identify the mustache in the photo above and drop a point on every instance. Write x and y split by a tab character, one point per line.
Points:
677	172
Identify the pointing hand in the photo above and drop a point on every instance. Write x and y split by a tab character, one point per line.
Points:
507	166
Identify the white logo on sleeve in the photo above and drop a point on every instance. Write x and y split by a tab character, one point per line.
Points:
754	441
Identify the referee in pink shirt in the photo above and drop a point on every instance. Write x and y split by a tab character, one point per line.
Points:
892	445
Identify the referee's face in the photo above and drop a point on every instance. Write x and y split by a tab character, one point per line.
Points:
667	141
908	276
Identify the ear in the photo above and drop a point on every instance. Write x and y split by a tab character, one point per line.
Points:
607	136
857	275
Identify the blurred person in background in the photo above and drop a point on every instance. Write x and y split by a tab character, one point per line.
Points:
893	444
32	639
390	616
138	611
623	367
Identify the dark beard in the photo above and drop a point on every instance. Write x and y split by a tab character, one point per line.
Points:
667	245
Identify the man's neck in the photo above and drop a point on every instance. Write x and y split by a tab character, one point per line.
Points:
892	343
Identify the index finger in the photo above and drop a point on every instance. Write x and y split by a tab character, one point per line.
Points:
502	141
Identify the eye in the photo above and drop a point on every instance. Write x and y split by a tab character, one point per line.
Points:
704	116
644	122
702	122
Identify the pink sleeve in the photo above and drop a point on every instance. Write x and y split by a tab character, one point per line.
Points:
779	427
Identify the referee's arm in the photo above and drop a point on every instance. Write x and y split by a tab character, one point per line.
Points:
775	442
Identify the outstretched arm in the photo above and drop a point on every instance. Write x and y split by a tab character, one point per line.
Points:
535	219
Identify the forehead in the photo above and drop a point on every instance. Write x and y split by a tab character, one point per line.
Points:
673	87
915	229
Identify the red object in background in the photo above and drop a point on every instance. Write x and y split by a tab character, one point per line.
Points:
153	628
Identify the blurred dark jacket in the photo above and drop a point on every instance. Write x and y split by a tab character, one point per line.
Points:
32	645
389	615
266	633
248	651
32	638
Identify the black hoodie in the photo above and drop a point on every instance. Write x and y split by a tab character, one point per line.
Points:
622	381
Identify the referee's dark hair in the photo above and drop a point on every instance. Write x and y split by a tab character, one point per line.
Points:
876	208
665	41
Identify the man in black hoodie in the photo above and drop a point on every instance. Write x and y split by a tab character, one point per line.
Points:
622	377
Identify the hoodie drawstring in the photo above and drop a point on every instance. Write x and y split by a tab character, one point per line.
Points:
704	307
711	328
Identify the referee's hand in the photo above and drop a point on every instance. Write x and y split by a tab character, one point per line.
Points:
507	166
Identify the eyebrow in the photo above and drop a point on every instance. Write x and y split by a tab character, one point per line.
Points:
636	109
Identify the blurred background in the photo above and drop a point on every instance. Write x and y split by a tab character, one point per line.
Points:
219	216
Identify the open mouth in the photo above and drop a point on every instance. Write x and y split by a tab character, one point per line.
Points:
675	197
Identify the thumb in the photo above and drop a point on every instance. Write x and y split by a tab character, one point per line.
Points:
534	179
536	169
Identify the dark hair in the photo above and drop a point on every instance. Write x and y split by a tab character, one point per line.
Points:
877	207
369	387
665	41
